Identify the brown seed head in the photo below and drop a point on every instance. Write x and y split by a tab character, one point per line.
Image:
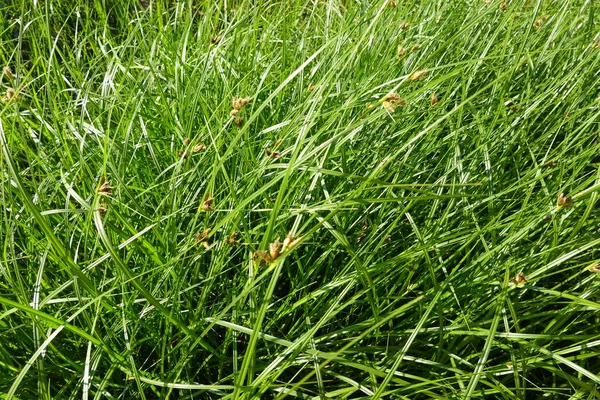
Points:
10	95
198	148
503	6
182	154
394	98
8	72
361	236
290	241
275	249
564	201
415	47
392	3
401	51
105	188
186	141
234	113
214	39
231	240
273	154
102	210
200	237
261	256
239	103
519	279
404	25
311	87
389	106
434	99
594	268
538	22
207	204
238	121
417	75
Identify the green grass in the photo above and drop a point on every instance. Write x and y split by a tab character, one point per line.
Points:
412	226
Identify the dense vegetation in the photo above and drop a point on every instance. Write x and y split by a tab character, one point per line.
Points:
303	199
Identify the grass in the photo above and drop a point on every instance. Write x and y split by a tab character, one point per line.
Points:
442	227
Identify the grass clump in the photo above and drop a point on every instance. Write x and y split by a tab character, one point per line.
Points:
299	199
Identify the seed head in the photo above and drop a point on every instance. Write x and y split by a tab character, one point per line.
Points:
361	236
417	75
238	121
273	154
519	279
275	249
564	201
404	25
200	237
10	95
311	87
594	268
8	72
401	51
262	256
503	6
207	204
234	113
231	240
239	103
289	241
105	188
186	141
434	99
389	106
538	22
214	39
415	48
198	148
394	98
392	3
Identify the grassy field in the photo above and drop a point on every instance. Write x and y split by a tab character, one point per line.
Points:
300	199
